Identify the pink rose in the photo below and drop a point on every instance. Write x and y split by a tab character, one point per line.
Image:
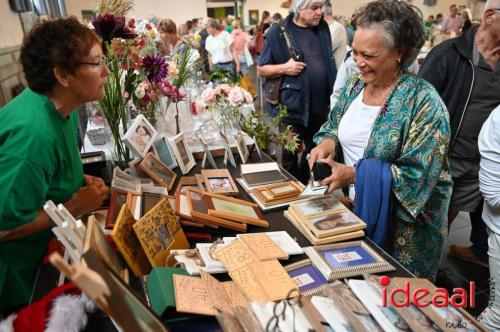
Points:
248	97
209	96
200	106
226	89
236	97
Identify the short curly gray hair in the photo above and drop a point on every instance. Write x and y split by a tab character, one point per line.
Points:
301	4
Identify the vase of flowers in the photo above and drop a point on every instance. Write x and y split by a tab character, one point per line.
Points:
225	104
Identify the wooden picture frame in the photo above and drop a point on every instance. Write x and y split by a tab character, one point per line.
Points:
117	199
347	259
201	182
219	181
199	211
234	209
124	306
134	202
158	171
149	200
186	182
336	223
184	156
242	148
140	136
277	192
96	240
164	151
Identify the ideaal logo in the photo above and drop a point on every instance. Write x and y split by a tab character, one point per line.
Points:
440	296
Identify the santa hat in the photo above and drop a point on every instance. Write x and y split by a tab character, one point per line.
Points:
63	309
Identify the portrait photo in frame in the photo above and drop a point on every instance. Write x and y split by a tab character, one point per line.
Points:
219	181
158	171
184	156
242	148
340	222
164	151
340	260
318	206
140	136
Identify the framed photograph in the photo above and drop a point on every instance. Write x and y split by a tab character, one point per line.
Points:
416	319
446	317
234	209
340	260
253	16
117	199
354	315
199	211
318	206
184	157
140	136
185	183
335	223
164	151
387	317
158	171
242	148
208	155
219	181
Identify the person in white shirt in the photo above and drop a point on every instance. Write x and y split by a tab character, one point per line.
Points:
218	46
489	185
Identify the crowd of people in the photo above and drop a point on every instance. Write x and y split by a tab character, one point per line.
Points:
427	137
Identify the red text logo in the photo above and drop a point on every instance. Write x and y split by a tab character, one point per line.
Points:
422	297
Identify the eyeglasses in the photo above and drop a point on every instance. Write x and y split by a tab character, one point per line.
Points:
100	63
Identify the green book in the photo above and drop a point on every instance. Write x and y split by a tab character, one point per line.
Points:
160	288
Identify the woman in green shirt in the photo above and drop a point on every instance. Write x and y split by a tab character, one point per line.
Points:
39	157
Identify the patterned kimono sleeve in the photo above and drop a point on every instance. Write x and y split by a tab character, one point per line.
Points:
423	160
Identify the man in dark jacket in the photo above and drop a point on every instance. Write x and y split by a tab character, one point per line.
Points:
300	52
466	73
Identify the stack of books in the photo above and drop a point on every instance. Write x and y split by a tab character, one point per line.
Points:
324	220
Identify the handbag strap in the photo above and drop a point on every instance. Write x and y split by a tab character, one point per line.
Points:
293	53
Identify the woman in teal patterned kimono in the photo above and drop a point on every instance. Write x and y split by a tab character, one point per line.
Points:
400	120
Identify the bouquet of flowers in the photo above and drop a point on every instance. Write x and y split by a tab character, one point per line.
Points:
225	102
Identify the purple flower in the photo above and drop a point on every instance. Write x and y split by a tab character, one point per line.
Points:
155	67
108	26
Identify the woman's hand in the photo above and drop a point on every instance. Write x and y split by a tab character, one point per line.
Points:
325	150
342	176
90	197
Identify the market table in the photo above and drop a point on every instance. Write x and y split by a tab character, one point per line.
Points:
99	322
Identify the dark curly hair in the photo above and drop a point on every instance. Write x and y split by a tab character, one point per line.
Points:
401	25
60	43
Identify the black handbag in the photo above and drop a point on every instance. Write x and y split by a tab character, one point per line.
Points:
272	86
